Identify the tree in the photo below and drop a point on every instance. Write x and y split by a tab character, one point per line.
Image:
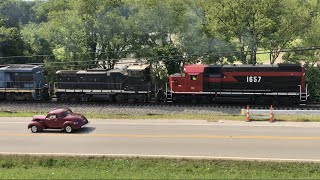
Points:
11	44
13	15
293	21
268	24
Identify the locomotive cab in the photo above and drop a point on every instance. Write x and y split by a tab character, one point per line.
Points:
190	80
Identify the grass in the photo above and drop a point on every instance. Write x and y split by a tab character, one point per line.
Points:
208	117
45	167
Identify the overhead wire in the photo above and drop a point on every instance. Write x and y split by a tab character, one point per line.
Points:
162	58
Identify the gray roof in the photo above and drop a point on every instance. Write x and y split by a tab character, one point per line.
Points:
21	68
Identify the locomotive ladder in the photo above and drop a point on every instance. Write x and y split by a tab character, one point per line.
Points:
303	95
37	93
168	95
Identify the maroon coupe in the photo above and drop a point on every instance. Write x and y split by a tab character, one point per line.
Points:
63	119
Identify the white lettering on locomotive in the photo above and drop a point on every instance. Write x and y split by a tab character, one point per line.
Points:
254	79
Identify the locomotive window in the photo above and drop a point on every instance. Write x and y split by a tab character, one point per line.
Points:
193	77
135	73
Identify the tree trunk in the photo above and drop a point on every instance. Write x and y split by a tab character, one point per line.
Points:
242	53
274	55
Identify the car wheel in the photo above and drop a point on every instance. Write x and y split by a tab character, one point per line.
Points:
68	128
34	129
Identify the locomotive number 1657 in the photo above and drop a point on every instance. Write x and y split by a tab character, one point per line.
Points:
254	79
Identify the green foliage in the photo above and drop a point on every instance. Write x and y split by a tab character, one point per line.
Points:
76	34
170	56
14	14
159	75
313	80
269	24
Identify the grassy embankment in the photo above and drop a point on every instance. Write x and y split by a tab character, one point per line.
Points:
208	117
44	167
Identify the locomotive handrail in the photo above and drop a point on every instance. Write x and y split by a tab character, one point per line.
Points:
18	85
75	86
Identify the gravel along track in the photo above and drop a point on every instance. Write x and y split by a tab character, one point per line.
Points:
138	109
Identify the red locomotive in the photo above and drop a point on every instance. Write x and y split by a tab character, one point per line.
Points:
255	84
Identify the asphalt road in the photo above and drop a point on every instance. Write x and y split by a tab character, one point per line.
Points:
169	138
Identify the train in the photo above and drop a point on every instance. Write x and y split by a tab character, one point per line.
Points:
252	84
23	82
196	83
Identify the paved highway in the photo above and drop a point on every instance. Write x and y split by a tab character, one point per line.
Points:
169	138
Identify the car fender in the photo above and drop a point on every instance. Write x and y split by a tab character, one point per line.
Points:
70	123
40	127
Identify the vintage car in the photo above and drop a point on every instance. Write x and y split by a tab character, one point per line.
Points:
63	119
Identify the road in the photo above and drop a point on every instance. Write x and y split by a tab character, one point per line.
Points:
261	140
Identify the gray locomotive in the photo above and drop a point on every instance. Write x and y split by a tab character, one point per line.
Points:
130	84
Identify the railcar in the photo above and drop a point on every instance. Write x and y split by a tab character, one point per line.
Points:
130	84
254	84
23	82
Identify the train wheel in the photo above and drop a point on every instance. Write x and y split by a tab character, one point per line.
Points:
275	101
10	97
62	98
2	96
74	98
120	98
132	99
28	97
84	98
194	99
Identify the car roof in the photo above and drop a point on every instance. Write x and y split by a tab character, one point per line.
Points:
58	111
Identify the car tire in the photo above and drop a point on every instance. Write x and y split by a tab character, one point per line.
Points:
34	129
68	128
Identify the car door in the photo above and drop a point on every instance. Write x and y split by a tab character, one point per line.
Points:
52	121
60	120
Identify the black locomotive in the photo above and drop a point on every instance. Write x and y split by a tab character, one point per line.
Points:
130	84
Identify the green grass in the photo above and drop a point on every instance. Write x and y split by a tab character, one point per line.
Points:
44	167
208	117
263	58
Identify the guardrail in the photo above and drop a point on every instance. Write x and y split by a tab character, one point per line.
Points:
261	114
269	114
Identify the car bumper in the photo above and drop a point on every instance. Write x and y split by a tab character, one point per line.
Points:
85	125
79	126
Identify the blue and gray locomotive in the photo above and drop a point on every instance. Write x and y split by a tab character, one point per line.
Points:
23	82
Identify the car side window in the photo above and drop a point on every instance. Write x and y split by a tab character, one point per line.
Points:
52	116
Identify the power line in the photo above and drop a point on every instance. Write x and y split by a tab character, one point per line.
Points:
223	53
